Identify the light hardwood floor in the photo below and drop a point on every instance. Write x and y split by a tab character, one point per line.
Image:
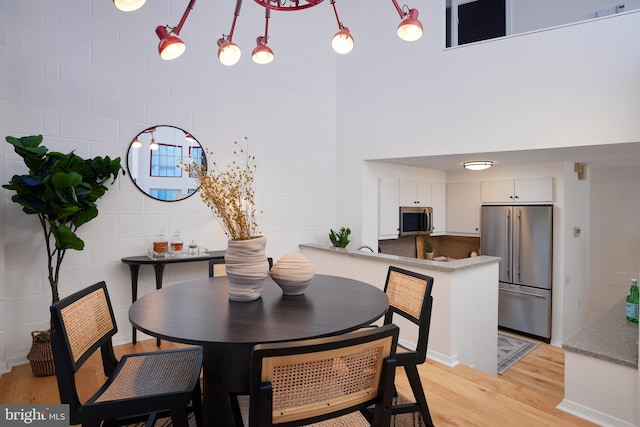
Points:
526	395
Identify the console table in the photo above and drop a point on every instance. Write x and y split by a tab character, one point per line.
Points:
134	263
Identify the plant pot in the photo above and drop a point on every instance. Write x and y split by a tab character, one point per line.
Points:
246	266
428	255
41	356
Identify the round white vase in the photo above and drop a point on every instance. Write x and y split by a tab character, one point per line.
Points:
246	266
293	273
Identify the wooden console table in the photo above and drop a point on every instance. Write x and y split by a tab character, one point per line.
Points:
134	263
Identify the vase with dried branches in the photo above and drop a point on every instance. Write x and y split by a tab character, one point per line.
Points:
230	193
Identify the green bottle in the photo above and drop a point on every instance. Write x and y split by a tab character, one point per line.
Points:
632	302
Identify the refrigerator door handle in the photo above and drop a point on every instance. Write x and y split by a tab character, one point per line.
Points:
523	293
517	243
508	262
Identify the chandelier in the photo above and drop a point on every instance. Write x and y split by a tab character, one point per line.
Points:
171	46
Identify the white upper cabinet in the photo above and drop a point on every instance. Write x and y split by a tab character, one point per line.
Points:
439	205
388	212
463	208
415	193
393	193
532	190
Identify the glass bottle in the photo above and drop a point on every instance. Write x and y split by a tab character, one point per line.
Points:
160	244
632	302
193	248
176	243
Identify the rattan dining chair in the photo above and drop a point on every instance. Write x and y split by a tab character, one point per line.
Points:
410	297
139	387
217	268
330	381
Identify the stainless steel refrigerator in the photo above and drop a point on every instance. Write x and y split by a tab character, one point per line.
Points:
522	236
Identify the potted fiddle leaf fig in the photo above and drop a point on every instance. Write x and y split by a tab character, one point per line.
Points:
61	190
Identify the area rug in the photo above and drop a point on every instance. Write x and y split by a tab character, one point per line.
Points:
511	349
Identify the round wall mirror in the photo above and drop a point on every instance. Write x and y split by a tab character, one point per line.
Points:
154	162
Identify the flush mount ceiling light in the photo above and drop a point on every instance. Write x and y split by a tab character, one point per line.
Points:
171	47
478	165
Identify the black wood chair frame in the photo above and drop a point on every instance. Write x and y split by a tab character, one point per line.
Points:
410	359
143	400
260	412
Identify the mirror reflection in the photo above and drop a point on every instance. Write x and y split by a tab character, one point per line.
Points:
469	21
154	159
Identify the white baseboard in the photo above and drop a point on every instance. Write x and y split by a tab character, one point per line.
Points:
597	417
449	361
8	364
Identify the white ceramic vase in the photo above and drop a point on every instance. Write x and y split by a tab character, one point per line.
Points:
246	266
293	273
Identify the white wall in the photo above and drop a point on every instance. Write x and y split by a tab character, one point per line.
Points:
3	175
615	235
568	86
576	295
88	78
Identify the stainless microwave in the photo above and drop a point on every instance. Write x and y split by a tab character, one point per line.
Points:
415	220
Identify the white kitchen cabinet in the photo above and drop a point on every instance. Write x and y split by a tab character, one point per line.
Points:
415	193
439	205
530	190
388	208
463	208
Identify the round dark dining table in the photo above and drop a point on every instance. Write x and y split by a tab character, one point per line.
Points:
199	312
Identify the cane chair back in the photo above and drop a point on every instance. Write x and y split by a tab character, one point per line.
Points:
140	386
88	324
217	268
329	381
410	297
409	294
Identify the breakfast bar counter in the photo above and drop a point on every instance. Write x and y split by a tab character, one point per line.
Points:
610	337
601	370
464	320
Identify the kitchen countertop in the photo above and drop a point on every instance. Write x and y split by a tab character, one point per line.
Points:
610	337
448	266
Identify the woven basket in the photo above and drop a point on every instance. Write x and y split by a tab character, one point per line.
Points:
41	356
